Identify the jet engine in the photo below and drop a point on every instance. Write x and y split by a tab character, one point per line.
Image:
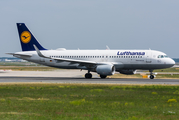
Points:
127	72
105	69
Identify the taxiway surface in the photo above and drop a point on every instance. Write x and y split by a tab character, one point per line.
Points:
72	76
83	80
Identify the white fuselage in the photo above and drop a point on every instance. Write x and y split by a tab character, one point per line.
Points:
121	59
103	62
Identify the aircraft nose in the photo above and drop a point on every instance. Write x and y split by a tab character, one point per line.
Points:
171	62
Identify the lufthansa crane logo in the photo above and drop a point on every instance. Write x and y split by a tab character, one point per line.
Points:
25	37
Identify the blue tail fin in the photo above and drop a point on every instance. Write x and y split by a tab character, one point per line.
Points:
27	39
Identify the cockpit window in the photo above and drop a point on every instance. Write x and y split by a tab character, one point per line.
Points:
162	56
166	56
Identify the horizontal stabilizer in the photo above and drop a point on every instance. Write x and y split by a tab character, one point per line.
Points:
10	53
14	54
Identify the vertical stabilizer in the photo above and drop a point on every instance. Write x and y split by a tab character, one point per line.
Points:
27	39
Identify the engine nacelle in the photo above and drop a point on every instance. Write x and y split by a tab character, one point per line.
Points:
105	69
127	72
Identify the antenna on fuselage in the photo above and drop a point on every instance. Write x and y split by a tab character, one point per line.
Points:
107	48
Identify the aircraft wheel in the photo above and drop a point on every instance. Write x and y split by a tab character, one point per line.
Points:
88	75
103	76
151	76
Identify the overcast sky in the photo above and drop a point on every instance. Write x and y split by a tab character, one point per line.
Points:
93	24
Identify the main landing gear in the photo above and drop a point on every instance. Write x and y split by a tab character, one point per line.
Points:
89	75
151	74
103	76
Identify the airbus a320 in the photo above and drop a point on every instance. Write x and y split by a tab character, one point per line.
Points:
103	62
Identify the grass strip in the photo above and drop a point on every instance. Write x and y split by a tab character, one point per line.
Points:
88	101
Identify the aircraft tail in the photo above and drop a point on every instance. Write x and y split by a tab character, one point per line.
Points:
27	39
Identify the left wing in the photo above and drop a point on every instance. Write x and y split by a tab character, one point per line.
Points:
72	61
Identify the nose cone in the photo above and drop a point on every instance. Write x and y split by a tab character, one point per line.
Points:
171	62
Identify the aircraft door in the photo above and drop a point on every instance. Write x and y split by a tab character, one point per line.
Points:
106	58
133	59
148	57
103	58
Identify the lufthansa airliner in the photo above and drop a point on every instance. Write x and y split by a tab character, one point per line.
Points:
103	62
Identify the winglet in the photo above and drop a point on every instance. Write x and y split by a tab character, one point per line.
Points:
38	52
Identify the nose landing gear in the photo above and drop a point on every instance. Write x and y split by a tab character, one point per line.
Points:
151	74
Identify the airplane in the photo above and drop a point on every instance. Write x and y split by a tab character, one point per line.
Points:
103	62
